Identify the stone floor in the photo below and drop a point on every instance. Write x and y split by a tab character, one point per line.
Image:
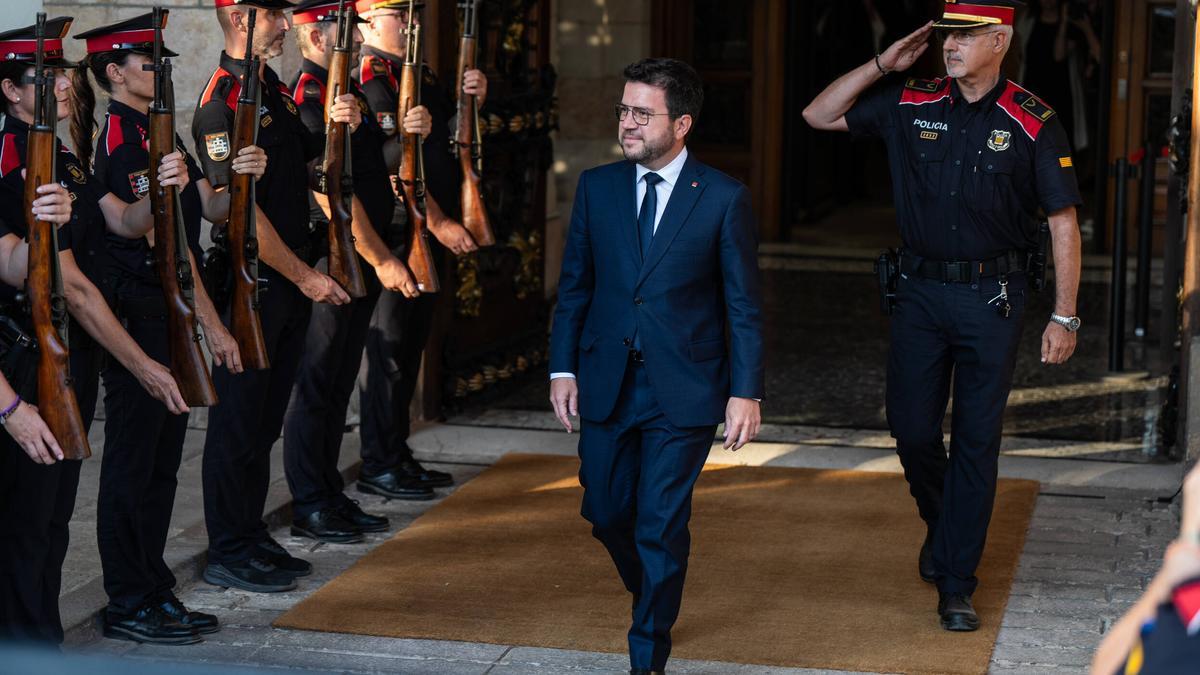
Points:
1097	533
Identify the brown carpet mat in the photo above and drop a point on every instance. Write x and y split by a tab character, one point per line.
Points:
789	567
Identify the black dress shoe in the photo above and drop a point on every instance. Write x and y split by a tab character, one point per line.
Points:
203	623
428	477
956	612
364	521
272	552
254	575
643	671
394	485
925	566
150	625
327	525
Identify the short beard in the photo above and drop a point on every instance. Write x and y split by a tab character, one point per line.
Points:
650	151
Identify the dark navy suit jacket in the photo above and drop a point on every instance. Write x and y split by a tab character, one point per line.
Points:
694	304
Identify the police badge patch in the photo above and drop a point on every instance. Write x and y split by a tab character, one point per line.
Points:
217	146
387	120
999	140
77	174
139	182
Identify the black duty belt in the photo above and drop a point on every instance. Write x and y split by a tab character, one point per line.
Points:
963	271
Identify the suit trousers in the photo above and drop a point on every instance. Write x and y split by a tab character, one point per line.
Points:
943	335
143	446
36	503
316	415
391	363
638	471
244	425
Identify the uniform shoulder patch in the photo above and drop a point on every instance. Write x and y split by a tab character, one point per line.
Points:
919	92
139	183
217	145
1027	110
917	84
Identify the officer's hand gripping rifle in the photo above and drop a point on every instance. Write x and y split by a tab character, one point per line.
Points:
44	285
468	141
175	273
336	178
241	230
412	166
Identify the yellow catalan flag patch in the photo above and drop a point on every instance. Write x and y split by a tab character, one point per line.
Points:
1065	162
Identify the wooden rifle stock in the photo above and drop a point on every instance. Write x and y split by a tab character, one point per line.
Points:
175	273
44	287
412	173
241	231
467	138
336	169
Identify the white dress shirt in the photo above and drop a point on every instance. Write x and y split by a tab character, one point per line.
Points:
670	176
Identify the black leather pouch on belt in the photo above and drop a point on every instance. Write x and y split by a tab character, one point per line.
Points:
18	358
887	271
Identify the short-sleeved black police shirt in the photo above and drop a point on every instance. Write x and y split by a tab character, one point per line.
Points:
122	165
369	168
282	191
968	178
84	234
379	75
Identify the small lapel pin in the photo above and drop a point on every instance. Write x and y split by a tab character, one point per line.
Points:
695	184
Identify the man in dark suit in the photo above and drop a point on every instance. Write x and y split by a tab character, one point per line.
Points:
657	339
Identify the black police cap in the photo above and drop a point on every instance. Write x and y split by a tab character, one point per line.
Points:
977	14
21	44
135	35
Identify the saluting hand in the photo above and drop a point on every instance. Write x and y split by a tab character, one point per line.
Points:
173	170
157	380
1058	344
345	109
418	121
743	418
905	51
394	276
564	395
251	160
30	432
54	205
475	84
320	287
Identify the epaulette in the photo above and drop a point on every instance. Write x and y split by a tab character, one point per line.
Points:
919	92
310	88
375	67
222	86
10	156
1027	110
118	130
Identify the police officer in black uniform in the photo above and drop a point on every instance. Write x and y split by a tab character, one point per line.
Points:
37	499
143	442
316	416
973	159
401	325
247	421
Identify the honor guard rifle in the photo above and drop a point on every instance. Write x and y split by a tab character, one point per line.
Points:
241	229
468	139
336	172
417	202
171	258
44	285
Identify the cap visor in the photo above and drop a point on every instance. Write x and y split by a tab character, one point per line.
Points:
959	24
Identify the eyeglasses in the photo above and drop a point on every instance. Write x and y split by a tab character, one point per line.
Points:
640	115
963	37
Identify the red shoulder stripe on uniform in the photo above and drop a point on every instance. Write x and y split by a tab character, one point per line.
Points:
114	135
235	88
1187	603
1029	122
912	96
372	67
303	82
10	159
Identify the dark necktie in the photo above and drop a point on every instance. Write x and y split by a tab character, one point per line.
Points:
648	211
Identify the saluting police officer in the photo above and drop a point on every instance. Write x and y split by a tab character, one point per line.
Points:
247	421
401	325
316	416
973	159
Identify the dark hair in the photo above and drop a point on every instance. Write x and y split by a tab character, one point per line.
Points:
83	99
685	92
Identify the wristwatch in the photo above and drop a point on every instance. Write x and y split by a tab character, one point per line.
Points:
1071	323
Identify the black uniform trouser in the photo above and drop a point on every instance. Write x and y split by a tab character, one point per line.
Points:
36	502
143	446
391	362
316	414
943	335
244	425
